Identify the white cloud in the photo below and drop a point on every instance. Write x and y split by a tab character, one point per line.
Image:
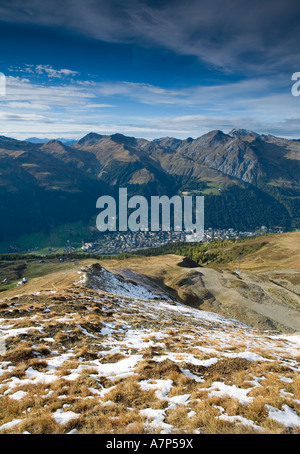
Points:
54	73
47	70
74	109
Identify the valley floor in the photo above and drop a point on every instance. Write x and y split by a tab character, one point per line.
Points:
81	360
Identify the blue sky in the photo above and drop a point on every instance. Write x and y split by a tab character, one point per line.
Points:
148	68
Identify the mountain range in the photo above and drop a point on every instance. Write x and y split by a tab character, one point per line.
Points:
248	179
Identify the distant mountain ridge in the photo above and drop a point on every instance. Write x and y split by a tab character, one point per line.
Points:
247	179
45	140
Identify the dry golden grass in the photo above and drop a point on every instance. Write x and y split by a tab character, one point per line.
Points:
20	353
130	395
113	404
280	252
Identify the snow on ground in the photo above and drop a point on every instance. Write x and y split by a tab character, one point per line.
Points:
287	416
63	417
10	424
187	357
221	389
18	395
241	421
107	281
162	387
133	326
155	420
121	369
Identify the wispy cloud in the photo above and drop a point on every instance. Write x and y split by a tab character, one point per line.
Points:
196	125
54	73
257	97
236	35
78	107
42	108
47	70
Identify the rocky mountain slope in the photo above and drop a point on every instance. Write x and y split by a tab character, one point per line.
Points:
103	354
244	155
248	179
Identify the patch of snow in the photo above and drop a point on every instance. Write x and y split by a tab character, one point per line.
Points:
286	379
157	420
83	278
18	395
199	314
121	369
109	402
10	424
162	387
205	349
136	338
284	393
16	332
8	369
188	358
108	329
106	281
287	416
36	377
240	420
178	400
84	331
112	351
71	377
250	356
54	363
221	409
189	374
95	391
293	346
220	389
103	391
63	417
48	394
256	381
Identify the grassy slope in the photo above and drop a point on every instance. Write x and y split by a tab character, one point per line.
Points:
272	252
63	370
52	274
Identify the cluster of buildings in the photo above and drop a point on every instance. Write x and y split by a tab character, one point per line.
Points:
118	242
127	242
